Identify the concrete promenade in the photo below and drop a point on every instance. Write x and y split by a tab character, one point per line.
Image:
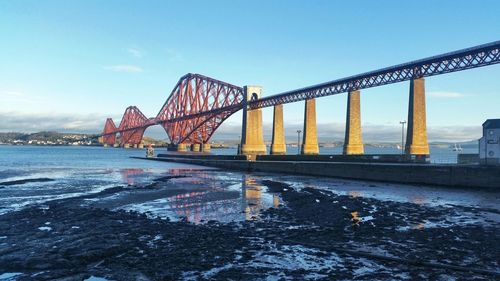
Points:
470	176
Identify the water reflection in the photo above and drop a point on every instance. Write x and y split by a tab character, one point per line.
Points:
355	218
145	176
202	196
129	175
419	226
251	194
420	195
276	200
355	194
417	199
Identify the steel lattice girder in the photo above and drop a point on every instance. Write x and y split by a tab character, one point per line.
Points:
198	104
478	56
482	55
109	132
196	94
132	126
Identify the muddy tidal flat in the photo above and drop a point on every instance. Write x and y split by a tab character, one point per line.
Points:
216	225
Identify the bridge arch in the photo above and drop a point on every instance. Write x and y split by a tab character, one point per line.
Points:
195	93
132	126
109	132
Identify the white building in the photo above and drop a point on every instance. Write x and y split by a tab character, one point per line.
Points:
489	144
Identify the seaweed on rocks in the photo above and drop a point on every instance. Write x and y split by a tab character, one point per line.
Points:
396	229
85	241
317	235
158	182
167	178
24	181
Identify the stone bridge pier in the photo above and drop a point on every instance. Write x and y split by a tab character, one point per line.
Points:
353	142
252	142
252	135
278	145
416	135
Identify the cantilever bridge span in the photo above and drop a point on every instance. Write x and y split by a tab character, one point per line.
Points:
179	116
198	105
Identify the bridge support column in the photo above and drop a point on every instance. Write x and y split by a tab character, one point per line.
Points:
278	142
126	145
416	136
353	143
206	147
195	147
310	139
141	146
252	139
182	147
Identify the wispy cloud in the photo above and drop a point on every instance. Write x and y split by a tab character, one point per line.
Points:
124	68
72	123
174	55
18	98
327	132
135	52
26	122
450	95
11	94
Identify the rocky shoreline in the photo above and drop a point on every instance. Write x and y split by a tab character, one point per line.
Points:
313	234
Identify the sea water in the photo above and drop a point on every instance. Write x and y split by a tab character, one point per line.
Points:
216	195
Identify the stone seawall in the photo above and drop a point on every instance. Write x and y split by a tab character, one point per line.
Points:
474	176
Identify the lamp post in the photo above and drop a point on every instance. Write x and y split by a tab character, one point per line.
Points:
298	141
239	144
402	136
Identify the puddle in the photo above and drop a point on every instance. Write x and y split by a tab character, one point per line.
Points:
8	276
208	198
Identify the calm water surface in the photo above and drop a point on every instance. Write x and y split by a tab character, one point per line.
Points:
206	194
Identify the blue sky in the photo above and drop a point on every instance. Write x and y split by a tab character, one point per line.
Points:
67	65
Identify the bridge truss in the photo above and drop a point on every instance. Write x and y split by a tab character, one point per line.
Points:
198	104
478	56
180	116
193	94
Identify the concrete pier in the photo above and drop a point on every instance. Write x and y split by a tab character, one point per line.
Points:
353	143
181	147
310	138
252	138
126	145
278	141
416	137
195	147
141	146
206	147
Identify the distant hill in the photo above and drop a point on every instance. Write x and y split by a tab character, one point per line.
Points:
55	138
51	138
148	140
463	144
5	137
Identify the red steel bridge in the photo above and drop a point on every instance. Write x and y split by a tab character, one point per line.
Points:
198	105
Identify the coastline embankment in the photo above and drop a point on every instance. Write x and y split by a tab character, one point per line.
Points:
452	175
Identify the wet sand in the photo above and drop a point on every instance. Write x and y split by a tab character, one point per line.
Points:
307	233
